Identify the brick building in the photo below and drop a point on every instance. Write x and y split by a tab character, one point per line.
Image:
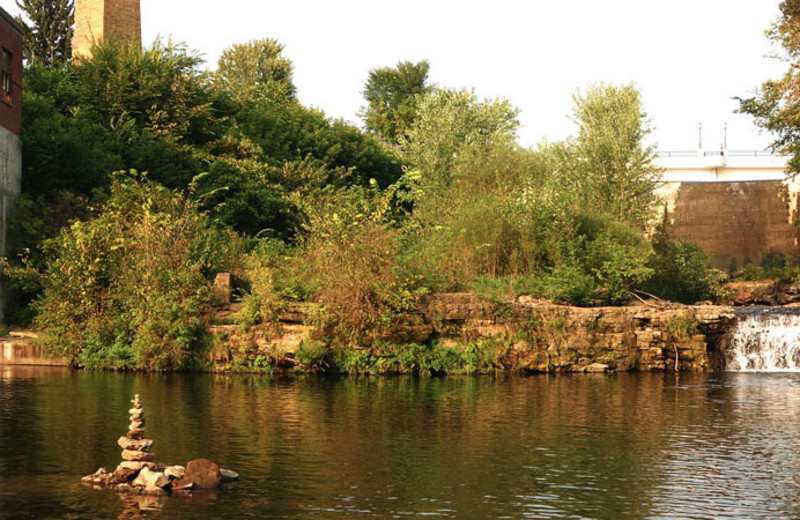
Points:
98	20
10	119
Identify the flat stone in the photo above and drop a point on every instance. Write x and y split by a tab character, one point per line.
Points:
175	471
151	480
137	465
103	480
134	444
123	475
228	475
182	484
136	424
135	433
596	368
203	473
138	455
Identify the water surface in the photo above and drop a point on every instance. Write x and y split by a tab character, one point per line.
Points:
567	446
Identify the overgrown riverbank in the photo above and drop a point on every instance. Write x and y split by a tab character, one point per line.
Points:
462	333
115	269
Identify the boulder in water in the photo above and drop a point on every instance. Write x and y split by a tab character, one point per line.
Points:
203	473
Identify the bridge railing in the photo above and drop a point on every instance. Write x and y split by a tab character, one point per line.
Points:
676	153
751	153
715	153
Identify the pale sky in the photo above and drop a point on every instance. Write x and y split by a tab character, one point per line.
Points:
687	57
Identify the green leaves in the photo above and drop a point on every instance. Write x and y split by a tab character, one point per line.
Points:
160	90
392	94
48	40
256	70
776	106
613	167
128	288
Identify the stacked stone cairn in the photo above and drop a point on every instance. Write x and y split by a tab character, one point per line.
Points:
139	473
135	448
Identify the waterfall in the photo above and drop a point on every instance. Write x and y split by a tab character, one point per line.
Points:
765	340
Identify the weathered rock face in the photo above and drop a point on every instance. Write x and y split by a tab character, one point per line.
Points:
763	292
550	338
538	336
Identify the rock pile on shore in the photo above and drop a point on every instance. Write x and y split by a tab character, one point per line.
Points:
139	473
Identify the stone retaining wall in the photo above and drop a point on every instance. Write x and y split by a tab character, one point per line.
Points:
21	349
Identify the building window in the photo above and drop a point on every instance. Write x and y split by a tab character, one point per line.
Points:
5	76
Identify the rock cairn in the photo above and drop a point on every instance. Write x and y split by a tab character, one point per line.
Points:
139	473
135	448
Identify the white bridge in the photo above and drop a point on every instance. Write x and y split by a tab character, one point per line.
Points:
722	166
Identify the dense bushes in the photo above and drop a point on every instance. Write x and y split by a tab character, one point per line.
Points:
682	272
128	288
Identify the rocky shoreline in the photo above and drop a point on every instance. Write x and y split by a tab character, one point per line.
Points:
528	335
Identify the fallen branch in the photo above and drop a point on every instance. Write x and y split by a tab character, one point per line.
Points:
643	300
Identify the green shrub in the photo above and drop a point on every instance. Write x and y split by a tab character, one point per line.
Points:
774	266
126	289
313	354
682	272
349	259
564	284
681	327
249	313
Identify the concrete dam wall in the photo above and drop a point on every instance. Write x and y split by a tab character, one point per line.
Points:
737	223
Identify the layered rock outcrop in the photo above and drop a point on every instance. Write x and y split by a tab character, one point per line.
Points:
535	335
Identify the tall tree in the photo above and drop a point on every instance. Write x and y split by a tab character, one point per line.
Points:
256	70
450	122
614	168
391	94
776	105
48	38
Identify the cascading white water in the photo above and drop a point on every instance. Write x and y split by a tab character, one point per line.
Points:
765	341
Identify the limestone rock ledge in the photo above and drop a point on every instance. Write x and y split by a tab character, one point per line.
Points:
536	335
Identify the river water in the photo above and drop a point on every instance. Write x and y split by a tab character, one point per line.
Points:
568	446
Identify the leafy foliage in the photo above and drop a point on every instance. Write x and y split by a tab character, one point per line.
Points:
614	167
48	38
392	94
682	272
437	196
349	254
775	106
256	70
128	288
159	90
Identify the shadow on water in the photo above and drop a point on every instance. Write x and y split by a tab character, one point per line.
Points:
568	446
